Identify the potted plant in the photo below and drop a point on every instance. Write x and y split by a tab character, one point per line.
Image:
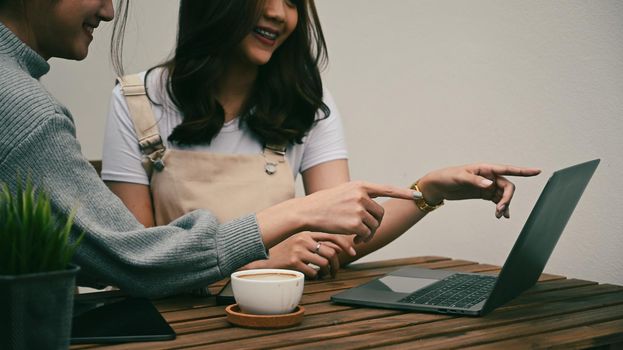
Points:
37	280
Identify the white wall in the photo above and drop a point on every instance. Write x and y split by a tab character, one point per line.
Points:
426	84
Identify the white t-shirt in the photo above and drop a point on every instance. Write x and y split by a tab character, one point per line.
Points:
121	159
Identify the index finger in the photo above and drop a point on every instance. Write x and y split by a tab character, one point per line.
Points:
513	170
376	190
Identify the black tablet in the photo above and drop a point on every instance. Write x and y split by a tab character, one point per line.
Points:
117	319
226	295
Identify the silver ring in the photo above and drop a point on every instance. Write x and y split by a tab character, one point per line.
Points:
317	250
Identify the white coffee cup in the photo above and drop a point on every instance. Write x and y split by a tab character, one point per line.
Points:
267	291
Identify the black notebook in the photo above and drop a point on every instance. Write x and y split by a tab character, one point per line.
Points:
111	318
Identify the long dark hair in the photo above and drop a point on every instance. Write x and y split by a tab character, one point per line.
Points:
287	92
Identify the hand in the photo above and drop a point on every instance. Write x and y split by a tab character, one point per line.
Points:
296	252
349	208
484	181
345	209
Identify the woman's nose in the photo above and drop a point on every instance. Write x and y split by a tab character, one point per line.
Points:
106	13
275	10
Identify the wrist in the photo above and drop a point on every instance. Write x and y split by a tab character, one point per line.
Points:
257	264
280	221
424	201
429	191
293	215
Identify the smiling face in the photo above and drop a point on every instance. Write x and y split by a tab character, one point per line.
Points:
64	28
277	21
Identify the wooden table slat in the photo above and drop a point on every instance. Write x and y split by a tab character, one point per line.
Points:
311	321
219	311
585	336
518	331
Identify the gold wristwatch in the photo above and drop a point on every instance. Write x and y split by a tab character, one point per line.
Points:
421	203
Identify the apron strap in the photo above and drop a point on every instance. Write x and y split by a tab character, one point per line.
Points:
145	125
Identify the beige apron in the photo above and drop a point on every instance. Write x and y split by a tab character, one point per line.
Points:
181	181
227	185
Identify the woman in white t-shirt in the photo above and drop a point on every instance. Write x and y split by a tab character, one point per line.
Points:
239	111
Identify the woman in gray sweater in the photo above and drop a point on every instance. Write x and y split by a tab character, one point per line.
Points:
37	137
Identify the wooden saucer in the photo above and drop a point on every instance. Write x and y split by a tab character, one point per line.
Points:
237	317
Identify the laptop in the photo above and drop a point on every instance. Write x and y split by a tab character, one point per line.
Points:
448	292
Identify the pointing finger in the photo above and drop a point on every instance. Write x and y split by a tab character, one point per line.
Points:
375	190
513	170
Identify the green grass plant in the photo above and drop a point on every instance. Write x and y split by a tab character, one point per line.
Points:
32	239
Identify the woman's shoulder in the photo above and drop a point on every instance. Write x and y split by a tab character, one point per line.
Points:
154	81
328	122
26	109
21	94
331	113
136	75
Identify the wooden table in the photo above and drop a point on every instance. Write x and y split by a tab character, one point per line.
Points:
558	312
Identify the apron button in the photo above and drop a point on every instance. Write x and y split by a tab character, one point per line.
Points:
159	164
270	168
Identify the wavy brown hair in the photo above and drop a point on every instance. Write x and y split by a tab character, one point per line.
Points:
287	93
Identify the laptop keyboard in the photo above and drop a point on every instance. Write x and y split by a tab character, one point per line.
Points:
458	290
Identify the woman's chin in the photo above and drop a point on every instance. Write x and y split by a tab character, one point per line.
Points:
76	53
260	58
260	62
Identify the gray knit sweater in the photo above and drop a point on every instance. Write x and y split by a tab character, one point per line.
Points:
37	137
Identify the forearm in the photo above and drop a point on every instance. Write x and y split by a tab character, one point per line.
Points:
193	252
137	198
280	221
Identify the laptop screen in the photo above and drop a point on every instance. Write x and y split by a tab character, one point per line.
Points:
541	232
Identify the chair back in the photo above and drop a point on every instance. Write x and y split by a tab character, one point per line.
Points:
97	164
